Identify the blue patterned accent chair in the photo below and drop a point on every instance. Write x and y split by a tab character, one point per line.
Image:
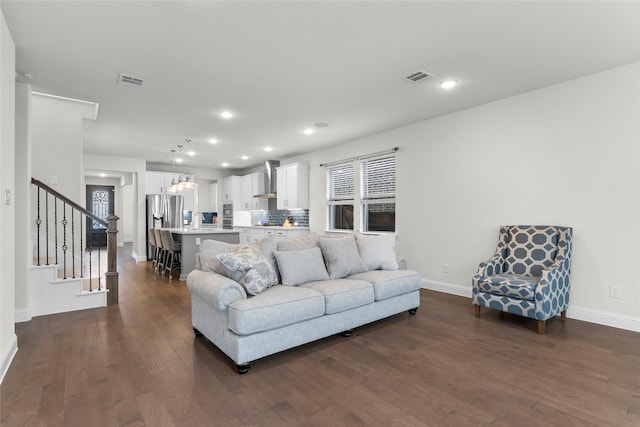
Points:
529	273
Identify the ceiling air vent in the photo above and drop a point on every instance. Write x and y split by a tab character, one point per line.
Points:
130	80
418	76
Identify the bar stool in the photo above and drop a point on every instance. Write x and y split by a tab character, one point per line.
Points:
161	252
172	249
154	248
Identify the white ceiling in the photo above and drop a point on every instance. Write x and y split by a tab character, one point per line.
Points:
283	66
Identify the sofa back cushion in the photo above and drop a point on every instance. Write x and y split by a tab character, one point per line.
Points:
378	251
298	267
341	256
298	243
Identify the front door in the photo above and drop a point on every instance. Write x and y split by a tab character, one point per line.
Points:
99	203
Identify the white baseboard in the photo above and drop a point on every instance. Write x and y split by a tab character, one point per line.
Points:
620	321
7	356
448	288
137	257
23	315
614	320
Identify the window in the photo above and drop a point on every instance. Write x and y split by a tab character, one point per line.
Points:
341	196
374	205
379	194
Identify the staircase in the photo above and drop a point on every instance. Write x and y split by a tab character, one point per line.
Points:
67	274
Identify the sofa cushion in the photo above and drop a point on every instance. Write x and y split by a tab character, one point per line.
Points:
274	308
343	294
297	267
341	256
387	283
209	250
510	285
297	243
531	249
378	251
257	274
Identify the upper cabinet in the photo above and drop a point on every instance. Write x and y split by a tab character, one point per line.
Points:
293	186
156	182
241	189
232	191
253	184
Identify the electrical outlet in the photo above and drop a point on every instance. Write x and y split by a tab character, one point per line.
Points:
614	291
445	268
197	240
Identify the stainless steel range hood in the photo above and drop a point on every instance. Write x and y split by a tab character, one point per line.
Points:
270	180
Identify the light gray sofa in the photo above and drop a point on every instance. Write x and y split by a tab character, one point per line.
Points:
248	327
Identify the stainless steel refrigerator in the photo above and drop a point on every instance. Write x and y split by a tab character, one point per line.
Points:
163	211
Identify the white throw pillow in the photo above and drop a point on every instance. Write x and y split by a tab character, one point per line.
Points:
378	251
256	272
341	256
298	267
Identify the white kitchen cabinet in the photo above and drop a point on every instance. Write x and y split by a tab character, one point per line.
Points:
232	191
253	184
293	186
243	234
155	182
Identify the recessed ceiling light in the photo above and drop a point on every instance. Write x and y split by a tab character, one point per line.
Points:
103	175
213	141
226	114
191	153
268	149
245	157
308	131
448	84
179	160
225	164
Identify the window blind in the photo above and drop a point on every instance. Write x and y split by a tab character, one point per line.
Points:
341	186
379	178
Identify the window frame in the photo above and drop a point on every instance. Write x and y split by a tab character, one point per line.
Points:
383	198
360	200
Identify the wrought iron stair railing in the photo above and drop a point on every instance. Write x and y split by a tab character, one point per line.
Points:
68	224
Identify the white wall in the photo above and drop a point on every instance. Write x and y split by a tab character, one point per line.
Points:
8	340
568	154
57	134
24	253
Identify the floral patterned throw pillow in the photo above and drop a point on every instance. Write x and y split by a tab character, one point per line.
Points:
256	273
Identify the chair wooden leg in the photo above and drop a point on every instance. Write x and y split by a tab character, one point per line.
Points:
563	316
476	309
541	325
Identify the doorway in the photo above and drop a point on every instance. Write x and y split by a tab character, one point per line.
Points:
100	203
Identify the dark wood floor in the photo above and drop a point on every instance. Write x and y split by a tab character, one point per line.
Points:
138	363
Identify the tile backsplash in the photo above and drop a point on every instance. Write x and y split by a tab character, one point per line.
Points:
273	215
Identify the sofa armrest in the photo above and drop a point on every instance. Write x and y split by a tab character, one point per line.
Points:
214	288
491	266
554	280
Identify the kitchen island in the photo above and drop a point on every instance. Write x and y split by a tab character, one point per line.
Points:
190	241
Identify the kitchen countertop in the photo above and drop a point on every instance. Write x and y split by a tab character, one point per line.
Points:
271	227
200	231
